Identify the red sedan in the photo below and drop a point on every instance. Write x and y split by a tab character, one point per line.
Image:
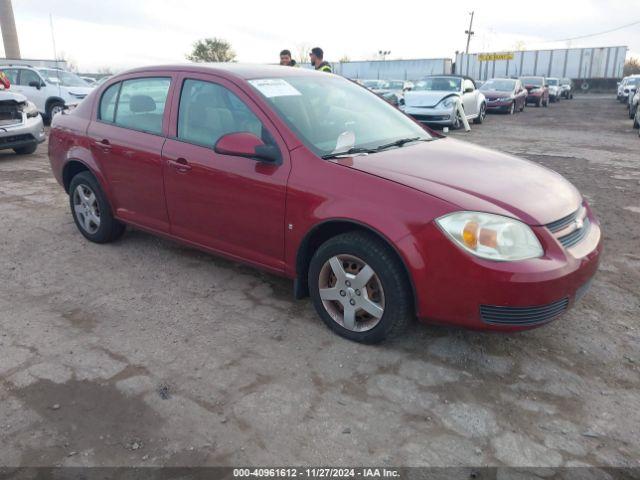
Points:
312	177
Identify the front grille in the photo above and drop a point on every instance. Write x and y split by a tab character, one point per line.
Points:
430	118
522	316
16	138
571	229
10	114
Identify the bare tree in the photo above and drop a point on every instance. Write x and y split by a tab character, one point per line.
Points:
303	50
345	58
631	66
212	50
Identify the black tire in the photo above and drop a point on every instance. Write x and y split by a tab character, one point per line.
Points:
483	113
27	149
51	108
109	229
398	309
457	122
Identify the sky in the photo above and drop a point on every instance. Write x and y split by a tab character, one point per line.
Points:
119	34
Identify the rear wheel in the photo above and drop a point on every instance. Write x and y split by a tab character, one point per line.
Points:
483	113
26	150
91	210
359	288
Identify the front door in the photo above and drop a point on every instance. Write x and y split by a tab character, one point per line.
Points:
127	140
37	94
230	204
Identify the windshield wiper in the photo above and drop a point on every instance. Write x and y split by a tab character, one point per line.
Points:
400	143
351	151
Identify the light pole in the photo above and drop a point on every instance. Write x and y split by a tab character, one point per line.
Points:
469	33
9	33
384	53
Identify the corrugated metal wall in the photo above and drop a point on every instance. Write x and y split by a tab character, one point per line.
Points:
576	63
393	69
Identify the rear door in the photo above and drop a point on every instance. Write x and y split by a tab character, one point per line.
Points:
230	204
127	138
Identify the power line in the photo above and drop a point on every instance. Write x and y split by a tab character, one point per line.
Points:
594	34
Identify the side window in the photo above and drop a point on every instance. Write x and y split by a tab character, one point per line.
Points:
12	75
141	104
208	111
28	76
108	103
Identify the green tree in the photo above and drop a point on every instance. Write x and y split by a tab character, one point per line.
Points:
631	66
212	50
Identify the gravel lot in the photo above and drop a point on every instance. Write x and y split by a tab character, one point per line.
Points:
145	352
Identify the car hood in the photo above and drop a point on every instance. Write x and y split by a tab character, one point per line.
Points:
8	96
475	178
426	98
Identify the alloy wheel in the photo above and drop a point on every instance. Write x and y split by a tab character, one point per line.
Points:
56	110
351	293
86	209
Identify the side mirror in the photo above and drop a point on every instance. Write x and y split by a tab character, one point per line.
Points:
468	90
35	83
245	144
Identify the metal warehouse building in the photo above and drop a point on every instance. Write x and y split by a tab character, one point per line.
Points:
575	63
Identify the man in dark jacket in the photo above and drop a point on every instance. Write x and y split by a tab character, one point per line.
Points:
286	60
317	60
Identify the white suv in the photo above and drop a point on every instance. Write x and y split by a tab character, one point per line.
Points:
50	89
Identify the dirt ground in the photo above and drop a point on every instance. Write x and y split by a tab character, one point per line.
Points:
145	352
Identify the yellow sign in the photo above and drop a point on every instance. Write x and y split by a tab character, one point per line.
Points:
492	57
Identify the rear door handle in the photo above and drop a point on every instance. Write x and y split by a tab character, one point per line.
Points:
179	164
103	144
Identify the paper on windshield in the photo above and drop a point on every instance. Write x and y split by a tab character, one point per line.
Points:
274	87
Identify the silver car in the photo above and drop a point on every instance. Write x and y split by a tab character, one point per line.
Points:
432	100
21	127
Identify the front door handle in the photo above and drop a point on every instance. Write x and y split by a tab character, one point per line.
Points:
179	164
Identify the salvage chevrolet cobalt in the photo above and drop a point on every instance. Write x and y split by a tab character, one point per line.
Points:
313	177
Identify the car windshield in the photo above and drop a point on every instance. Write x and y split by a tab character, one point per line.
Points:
61	77
536	81
498	85
635	81
331	114
552	81
393	85
372	83
439	84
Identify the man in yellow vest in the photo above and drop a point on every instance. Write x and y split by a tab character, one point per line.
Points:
317	60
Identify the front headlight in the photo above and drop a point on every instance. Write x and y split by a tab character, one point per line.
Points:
447	102
30	109
490	236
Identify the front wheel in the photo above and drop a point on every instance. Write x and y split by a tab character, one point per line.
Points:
26	150
53	109
483	113
359	288
91	210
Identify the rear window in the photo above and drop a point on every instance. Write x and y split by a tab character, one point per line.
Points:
108	103
141	103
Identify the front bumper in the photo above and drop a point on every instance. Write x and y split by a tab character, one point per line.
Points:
455	288
26	132
431	115
499	105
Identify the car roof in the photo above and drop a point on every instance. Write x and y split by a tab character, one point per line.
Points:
237	70
450	76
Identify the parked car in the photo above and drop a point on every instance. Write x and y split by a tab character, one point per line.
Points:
633	89
90	81
537	90
627	84
432	100
21	127
504	95
50	89
555	90
372	84
392	90
567	88
635	104
377	218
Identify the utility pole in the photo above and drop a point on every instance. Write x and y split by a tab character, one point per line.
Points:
9	33
469	33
